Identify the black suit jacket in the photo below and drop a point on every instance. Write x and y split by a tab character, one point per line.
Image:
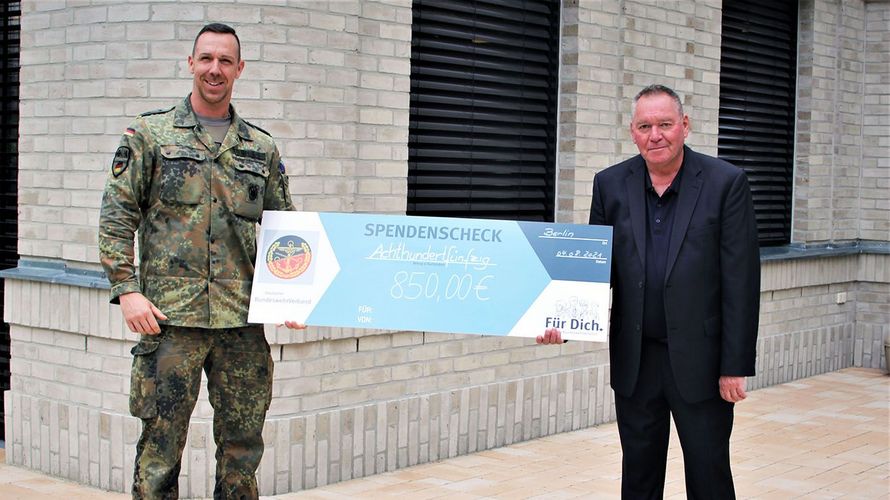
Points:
712	278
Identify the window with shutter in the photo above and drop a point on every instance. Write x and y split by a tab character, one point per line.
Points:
482	137
758	66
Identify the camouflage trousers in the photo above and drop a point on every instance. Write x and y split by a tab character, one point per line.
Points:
165	380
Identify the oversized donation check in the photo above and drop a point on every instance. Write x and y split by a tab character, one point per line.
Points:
489	277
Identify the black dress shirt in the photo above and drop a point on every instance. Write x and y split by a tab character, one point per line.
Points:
659	221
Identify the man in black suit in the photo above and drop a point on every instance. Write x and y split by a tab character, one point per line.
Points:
685	300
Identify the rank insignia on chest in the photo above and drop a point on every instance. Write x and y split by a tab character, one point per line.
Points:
121	160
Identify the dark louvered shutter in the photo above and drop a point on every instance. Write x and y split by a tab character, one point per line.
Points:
484	75
9	136
758	65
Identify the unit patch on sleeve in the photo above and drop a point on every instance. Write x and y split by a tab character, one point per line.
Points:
121	161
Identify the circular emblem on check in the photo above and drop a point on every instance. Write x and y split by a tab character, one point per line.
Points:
288	257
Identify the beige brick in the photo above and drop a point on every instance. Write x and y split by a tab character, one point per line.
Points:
325	94
177	12
326	57
128	12
331	81
150	31
327	22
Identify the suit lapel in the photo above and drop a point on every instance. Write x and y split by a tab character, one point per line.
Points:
637	204
690	188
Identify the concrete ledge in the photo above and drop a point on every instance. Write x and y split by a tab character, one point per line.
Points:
841	249
56	272
59	272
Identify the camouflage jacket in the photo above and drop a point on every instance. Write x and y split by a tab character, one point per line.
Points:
195	208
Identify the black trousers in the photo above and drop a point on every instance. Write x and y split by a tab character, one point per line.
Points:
644	428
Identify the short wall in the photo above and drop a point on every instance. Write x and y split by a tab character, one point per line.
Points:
356	406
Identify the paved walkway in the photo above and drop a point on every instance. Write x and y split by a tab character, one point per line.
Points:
822	437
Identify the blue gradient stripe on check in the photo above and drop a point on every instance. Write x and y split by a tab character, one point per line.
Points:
455	297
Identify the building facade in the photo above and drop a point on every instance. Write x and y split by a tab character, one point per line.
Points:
332	82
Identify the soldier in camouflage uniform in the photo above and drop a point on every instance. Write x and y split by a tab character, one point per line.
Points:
193	180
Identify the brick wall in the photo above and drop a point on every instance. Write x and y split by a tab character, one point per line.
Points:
872	312
589	114
351	407
330	80
874	220
611	50
841	173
